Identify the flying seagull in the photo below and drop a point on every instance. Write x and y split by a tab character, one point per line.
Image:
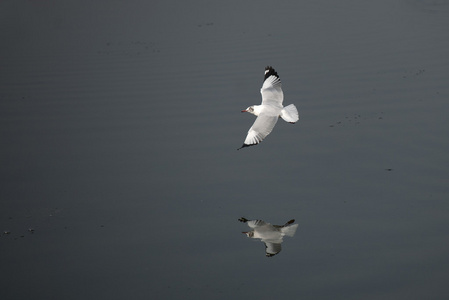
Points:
271	235
270	110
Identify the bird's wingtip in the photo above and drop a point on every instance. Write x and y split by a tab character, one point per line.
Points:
269	71
243	146
247	145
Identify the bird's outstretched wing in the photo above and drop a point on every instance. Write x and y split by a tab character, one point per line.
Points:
262	127
272	88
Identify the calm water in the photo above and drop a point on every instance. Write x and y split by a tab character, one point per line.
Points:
119	128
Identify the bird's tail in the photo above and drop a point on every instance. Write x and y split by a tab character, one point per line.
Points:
290	114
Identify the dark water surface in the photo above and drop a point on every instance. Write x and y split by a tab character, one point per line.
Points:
119	124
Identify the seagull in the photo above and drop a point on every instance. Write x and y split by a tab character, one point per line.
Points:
270	110
271	235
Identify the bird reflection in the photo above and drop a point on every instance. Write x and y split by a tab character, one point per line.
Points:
271	235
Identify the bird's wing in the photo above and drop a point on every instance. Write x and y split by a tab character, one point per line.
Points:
262	127
272	89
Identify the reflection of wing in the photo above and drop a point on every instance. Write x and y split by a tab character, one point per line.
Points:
272	249
270	235
257	223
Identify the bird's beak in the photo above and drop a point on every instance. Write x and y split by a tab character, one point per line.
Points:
244	110
244	232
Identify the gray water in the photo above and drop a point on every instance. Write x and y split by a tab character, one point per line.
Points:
120	122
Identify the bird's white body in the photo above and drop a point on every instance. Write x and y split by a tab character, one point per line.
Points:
270	110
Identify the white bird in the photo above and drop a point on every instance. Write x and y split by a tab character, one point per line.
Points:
271	235
270	110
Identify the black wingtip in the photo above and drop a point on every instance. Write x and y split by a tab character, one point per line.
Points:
246	145
269	71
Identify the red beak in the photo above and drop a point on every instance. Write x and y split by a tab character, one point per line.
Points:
244	110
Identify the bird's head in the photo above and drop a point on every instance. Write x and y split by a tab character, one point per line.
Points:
249	109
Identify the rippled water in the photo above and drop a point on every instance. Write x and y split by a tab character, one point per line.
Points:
119	129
